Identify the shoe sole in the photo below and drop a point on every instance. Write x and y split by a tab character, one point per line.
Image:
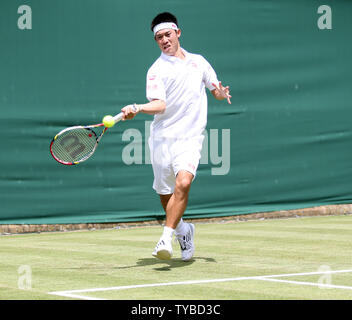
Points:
162	255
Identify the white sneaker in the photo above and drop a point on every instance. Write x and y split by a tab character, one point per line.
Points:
187	243
163	249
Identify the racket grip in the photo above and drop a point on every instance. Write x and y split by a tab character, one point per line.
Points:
118	117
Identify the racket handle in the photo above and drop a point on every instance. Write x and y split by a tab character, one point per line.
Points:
118	117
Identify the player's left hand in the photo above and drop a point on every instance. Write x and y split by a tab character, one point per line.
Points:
223	92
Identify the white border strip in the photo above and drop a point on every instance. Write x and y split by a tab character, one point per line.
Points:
72	293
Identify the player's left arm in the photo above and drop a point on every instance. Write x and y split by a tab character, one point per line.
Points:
213	84
220	92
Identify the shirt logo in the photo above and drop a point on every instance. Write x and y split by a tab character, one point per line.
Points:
152	77
152	87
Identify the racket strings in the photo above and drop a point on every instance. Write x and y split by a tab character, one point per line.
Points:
74	145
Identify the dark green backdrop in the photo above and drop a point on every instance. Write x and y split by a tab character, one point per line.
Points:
286	141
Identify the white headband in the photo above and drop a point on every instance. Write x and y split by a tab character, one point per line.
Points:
164	25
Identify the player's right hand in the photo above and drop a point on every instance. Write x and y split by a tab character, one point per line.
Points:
129	112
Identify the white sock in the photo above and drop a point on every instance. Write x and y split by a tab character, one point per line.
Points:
168	232
181	228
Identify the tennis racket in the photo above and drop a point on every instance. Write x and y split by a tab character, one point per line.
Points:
76	144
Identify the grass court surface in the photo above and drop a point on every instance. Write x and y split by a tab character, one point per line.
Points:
290	259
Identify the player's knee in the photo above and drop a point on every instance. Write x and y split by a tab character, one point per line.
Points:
183	184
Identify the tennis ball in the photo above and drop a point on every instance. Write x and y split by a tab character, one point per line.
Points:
108	121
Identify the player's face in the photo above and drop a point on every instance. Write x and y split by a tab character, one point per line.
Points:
168	41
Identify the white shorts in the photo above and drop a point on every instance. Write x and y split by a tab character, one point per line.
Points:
169	156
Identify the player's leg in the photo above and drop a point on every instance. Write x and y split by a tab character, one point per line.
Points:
184	232
168	201
185	158
174	205
164	181
164	199
177	203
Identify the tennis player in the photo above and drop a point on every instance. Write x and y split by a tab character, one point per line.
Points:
175	89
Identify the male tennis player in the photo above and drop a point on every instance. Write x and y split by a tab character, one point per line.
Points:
176	85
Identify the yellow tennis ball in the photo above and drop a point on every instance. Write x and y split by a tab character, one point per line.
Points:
108	121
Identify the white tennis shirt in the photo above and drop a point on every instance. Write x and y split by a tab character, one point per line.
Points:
181	84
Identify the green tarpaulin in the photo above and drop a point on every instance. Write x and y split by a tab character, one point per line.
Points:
284	143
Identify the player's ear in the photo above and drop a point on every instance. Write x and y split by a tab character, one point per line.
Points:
178	33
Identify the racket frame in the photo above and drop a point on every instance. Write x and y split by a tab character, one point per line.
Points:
116	118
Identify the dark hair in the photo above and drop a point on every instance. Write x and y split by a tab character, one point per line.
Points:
163	17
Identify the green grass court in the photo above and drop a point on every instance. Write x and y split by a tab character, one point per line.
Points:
295	258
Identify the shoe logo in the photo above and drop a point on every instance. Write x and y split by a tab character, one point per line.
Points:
160	243
185	242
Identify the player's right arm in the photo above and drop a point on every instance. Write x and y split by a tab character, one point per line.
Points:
153	107
155	93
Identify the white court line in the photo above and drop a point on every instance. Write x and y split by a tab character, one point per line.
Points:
320	285
72	293
67	294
